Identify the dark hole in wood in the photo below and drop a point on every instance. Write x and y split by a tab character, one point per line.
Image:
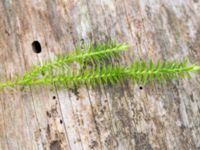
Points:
48	114
82	43
61	121
82	40
54	97
36	47
141	87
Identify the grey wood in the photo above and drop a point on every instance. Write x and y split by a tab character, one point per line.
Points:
120	117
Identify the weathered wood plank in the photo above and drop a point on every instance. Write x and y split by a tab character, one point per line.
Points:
126	116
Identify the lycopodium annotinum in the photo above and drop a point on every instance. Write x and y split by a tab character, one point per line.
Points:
59	72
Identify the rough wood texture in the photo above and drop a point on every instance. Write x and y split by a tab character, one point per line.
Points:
123	117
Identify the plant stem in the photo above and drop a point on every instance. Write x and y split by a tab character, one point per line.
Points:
139	72
109	75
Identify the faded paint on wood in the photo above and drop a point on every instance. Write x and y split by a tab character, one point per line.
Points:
120	117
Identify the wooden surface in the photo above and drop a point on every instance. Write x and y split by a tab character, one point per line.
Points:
123	117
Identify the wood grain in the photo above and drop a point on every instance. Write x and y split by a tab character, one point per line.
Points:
127	116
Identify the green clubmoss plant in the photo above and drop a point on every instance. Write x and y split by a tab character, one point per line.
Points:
140	71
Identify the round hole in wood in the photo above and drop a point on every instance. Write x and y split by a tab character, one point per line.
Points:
36	47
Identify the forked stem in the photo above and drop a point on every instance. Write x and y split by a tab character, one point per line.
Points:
139	72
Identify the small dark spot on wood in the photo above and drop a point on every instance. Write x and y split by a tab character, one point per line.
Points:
48	114
54	97
191	97
90	132
141	87
7	32
102	111
61	121
78	140
93	144
82	40
82	43
106	101
48	130
36	47
55	145
183	126
22	89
